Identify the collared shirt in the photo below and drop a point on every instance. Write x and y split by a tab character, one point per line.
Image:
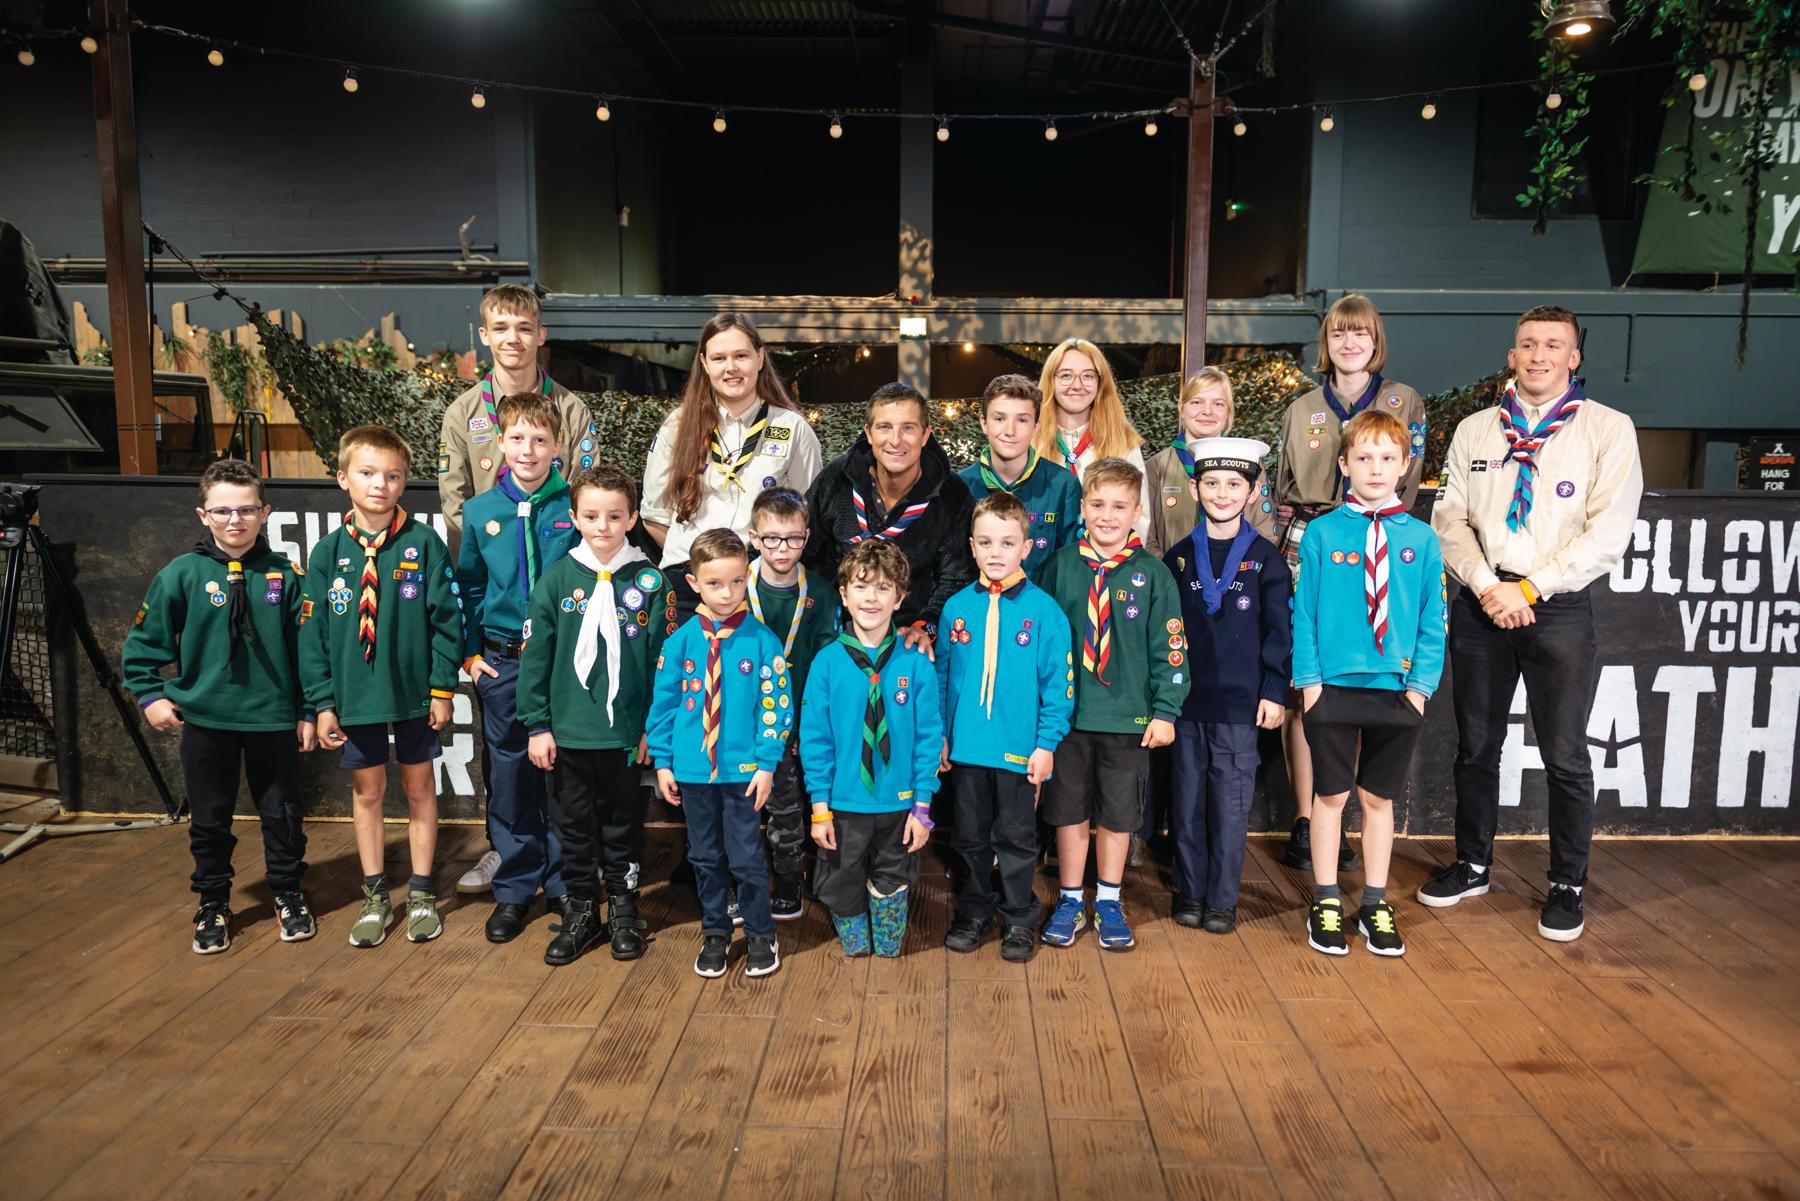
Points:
469	455
1584	501
787	457
1307	471
1090	456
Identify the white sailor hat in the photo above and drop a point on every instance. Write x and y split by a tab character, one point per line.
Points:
1242	455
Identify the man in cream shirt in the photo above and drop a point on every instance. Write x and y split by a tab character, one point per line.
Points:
1540	496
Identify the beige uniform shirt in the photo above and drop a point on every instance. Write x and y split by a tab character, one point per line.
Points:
1174	512
1307	471
469	450
787	457
1584	502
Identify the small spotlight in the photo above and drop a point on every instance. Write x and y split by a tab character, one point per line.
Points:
968	348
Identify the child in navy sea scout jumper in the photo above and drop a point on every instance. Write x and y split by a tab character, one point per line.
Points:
719	722
1009	691
1368	651
870	739
1236	609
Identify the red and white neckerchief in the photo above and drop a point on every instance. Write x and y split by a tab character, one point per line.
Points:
1375	564
904	518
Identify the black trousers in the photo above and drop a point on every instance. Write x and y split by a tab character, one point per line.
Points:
212	761
993	826
785	816
871	852
1556	657
597	801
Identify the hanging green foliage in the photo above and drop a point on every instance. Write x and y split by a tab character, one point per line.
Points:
234	371
1563	105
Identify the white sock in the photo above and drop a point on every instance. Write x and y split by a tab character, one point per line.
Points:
1105	892
1478	869
1072	894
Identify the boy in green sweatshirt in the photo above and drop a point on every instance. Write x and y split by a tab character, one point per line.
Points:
591	642
225	614
1130	681
380	640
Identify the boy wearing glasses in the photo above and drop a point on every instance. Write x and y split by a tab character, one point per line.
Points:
227	615
785	599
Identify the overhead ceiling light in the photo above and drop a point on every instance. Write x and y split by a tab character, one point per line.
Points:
1576	18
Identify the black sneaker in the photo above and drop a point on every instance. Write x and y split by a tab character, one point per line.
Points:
1018	944
1560	921
296	919
714	949
734	912
1219	921
1299	847
1187	911
789	902
763	955
1347	860
965	935
1380	932
1325	927
1457	882
212	927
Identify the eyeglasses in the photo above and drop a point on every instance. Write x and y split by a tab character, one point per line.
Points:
224	516
782	541
1066	378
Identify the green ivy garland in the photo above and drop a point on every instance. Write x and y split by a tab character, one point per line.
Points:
1557	174
234	371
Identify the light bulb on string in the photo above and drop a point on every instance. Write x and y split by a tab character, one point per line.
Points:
1238	127
1553	101
26	56
1428	111
350	83
602	110
1149	127
1327	123
477	98
719	121
943	129
216	57
1697	81
837	127
88	44
1050	131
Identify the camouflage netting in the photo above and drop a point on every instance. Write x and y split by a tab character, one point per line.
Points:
330	396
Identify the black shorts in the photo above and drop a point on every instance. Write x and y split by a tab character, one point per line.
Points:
1099	778
367	746
1389	726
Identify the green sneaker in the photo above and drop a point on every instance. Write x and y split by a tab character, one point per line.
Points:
422	921
372	923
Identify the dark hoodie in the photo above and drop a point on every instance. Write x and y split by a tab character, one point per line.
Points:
936	543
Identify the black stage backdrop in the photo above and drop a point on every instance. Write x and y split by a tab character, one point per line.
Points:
1692	731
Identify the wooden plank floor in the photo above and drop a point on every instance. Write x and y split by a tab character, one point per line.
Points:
1659	1057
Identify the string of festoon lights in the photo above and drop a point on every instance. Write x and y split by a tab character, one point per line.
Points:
353	73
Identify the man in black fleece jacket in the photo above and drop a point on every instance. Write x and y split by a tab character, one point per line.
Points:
908	494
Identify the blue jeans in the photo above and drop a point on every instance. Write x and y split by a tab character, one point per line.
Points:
725	843
1215	779
518	812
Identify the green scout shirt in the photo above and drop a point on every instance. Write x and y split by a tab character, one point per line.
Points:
418	628
551	696
1147	676
185	620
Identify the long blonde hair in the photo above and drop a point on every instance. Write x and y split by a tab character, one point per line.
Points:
1113	433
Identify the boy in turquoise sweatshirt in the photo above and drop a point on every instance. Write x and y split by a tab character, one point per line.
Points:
719	723
380	638
870	740
1008	463
1002	736
226	614
585	675
1130	681
1368	651
803	615
511	534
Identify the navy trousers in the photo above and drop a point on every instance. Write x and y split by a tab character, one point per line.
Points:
1214	780
724	844
518	812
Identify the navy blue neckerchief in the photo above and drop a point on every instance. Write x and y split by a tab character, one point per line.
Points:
1213	590
1364	402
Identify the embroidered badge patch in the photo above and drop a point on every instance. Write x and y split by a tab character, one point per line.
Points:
1565	488
1408	554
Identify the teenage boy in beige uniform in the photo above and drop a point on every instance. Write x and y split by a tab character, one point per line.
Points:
1540	496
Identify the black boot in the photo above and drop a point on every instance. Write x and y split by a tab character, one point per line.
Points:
626	927
580	930
1299	847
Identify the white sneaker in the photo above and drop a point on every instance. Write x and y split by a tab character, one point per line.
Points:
480	878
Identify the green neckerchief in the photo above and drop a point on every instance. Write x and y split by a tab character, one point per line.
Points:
992	479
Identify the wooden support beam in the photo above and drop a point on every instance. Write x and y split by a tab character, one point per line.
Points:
1199	217
115	129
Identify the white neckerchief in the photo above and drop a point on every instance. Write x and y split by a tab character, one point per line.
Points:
602	618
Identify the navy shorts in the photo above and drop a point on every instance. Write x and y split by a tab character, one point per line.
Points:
367	746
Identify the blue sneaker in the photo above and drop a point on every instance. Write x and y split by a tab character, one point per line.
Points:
1064	922
1114	930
